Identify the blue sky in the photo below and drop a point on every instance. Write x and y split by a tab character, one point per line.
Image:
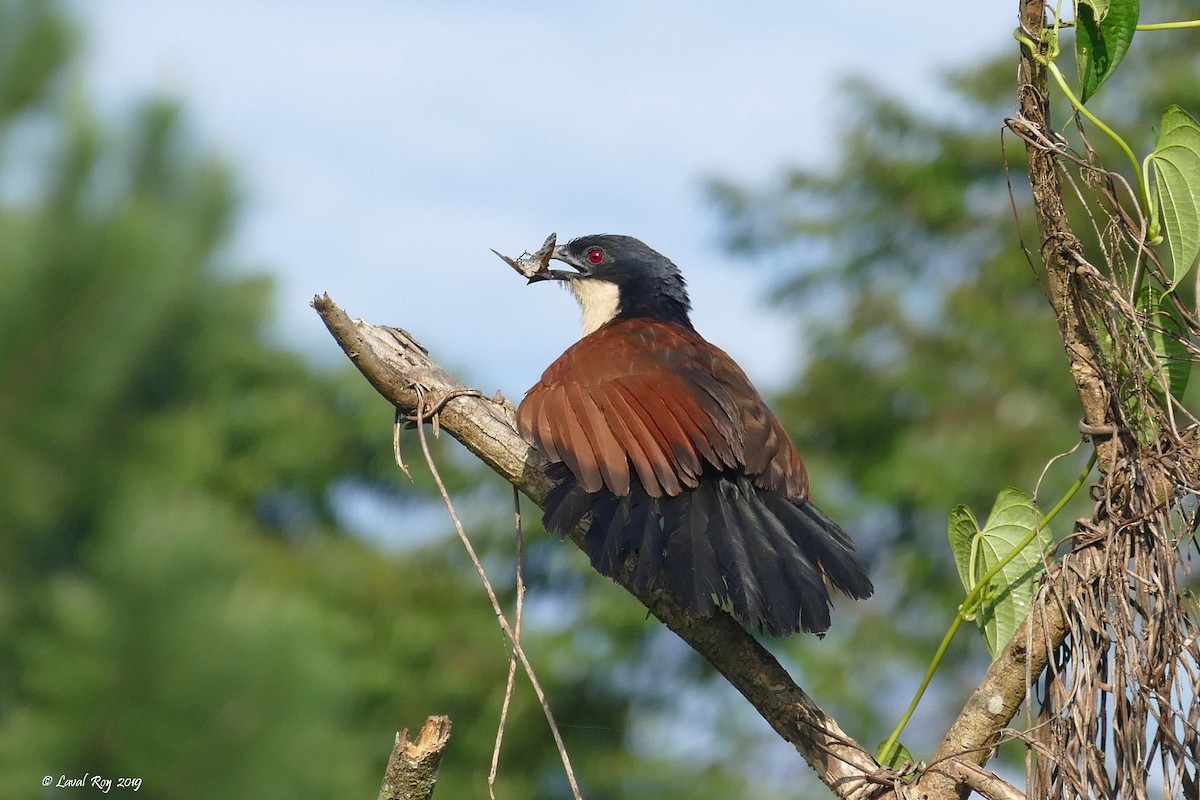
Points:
384	147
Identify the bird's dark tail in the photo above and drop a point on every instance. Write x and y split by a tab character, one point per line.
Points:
724	543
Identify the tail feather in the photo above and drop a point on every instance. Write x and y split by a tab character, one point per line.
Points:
736	556
794	588
567	503
610	513
689	553
647	541
724	543
828	545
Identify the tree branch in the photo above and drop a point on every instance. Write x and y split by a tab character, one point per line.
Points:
401	370
412	768
988	784
975	732
972	737
1061	250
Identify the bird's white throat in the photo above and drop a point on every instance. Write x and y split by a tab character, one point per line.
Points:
599	300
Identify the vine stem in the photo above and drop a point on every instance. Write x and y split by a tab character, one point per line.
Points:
1147	26
1168	26
1138	173
966	609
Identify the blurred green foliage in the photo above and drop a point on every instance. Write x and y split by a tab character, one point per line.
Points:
179	598
934	374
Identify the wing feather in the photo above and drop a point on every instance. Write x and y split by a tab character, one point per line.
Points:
611	458
655	468
628	443
577	450
714	425
768	456
654	402
649	396
545	435
691	420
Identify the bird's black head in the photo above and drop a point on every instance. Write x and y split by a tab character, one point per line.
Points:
619	277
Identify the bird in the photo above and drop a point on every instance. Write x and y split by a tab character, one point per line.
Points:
658	438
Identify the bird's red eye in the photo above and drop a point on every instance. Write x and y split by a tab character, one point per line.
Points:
595	255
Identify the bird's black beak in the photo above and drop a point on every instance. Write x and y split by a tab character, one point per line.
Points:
552	275
560	253
582	269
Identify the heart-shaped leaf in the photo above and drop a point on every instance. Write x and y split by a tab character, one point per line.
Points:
962	531
1168	337
1103	31
1175	163
1005	601
894	757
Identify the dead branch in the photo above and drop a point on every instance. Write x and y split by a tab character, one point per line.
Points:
412	768
404	374
401	370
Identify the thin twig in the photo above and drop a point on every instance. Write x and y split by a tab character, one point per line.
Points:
396	451
513	639
510	683
1037	487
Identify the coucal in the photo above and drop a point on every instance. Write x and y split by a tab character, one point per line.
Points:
661	437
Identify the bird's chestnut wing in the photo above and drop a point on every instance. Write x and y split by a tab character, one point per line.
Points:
654	401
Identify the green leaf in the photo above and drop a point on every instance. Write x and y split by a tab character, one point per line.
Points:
1175	164
1103	31
895	757
1005	601
1168	337
962	531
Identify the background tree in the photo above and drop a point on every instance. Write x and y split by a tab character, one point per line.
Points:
936	374
182	595
1144	462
